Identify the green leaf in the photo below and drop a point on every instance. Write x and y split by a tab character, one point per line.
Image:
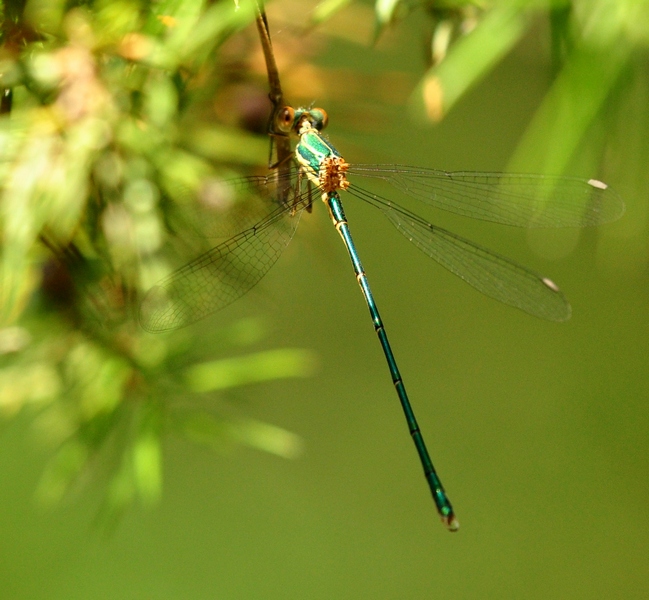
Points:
268	438
571	106
246	370
194	33
147	466
385	11
219	433
35	383
160	100
325	10
468	61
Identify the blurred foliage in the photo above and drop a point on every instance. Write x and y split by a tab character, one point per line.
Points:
108	126
121	120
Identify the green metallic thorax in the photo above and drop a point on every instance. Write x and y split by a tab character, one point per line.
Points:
311	152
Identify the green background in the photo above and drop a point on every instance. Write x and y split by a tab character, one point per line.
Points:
538	430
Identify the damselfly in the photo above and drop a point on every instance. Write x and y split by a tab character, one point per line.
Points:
223	274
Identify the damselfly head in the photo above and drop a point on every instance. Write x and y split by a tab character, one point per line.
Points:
290	119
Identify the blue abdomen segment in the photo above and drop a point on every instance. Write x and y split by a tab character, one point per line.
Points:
440	498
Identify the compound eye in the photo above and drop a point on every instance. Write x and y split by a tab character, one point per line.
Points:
320	118
285	119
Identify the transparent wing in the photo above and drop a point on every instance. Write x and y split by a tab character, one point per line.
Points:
488	272
223	274
510	199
